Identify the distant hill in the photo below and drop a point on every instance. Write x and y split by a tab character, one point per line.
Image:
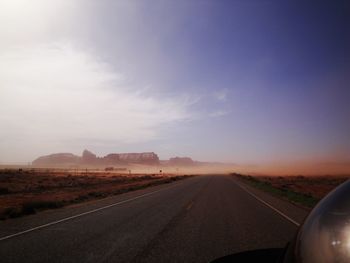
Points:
181	161
89	158
57	158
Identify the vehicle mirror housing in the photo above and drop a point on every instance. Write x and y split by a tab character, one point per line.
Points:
325	234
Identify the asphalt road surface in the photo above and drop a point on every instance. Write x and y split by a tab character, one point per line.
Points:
194	220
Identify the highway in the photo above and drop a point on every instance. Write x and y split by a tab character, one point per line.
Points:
194	220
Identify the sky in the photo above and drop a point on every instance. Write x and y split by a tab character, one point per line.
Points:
248	82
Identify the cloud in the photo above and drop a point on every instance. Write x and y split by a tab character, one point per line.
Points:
221	95
55	93
218	113
27	22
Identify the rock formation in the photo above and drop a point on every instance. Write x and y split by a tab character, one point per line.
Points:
142	158
89	158
57	159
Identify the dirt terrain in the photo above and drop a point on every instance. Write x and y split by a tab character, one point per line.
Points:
317	186
304	190
31	190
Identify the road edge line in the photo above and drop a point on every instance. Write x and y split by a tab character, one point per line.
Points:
268	205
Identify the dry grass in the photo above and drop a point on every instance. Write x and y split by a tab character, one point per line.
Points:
29	191
303	190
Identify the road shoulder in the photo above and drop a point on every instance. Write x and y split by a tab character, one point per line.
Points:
294	212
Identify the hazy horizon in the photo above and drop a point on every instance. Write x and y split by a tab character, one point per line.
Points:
260	84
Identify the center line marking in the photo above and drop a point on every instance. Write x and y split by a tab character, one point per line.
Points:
189	206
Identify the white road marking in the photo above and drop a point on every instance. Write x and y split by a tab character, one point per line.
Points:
270	206
83	214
